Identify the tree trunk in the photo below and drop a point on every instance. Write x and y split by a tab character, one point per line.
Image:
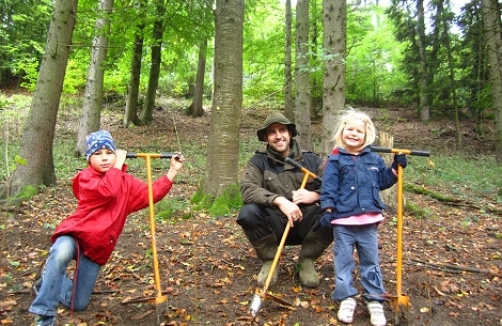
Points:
289	104
131	111
196	109
38	134
153	81
451	69
491	18
423	107
302	113
315	96
334	44
222	166
93	95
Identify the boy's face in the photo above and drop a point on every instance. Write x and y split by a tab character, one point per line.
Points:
102	160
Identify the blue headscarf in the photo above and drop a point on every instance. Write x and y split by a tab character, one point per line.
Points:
95	141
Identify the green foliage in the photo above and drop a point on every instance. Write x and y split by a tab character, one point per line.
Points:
201	201
170	208
24	194
229	202
482	180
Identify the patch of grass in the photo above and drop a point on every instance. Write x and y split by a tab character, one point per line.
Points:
168	208
229	202
464	177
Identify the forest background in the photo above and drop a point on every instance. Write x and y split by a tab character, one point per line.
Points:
311	61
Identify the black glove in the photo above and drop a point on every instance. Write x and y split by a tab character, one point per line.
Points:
325	220
400	159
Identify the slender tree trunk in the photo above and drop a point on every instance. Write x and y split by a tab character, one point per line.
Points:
38	134
93	95
451	69
315	96
423	107
153	81
131	111
196	109
302	113
289	104
334	44
222	166
491	18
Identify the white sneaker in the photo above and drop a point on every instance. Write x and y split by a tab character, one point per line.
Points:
346	310
377	314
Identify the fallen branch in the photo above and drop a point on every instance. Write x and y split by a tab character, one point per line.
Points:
487	206
460	268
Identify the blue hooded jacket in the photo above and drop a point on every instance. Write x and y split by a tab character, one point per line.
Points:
351	183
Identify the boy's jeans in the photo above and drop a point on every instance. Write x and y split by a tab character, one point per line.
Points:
57	287
365	239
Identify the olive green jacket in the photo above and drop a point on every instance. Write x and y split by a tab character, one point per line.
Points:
268	177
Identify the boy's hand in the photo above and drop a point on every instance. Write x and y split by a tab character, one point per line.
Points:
120	157
176	164
177	161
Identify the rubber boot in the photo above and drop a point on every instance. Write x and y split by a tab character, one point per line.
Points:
313	247
266	248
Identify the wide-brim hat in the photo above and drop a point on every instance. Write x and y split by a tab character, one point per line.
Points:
276	117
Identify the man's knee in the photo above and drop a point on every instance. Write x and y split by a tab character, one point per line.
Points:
248	216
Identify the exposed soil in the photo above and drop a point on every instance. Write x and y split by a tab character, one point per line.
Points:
451	272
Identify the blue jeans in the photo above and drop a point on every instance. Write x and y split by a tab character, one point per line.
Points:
365	239
57	286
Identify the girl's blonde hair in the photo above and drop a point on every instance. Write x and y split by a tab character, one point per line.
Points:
351	114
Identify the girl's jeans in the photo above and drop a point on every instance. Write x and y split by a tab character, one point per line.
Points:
57	287
365	240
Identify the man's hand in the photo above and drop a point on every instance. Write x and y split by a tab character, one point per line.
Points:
290	209
304	196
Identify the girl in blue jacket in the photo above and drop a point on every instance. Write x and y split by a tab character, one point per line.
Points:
350	198
106	195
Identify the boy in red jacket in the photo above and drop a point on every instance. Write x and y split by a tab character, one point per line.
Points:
106	196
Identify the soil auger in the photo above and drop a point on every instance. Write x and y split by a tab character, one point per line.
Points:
159	298
400	302
260	295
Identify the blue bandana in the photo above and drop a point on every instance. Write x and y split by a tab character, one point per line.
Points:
98	140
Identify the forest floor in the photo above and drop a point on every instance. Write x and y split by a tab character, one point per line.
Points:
452	270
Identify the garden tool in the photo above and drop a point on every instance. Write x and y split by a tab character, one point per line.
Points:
260	295
148	158
400	302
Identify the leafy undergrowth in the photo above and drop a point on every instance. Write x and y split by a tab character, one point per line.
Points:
452	267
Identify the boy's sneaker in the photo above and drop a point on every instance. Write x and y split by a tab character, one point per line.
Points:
376	312
45	320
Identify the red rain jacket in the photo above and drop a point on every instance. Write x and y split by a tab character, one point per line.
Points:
104	202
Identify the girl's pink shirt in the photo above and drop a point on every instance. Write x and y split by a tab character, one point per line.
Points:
362	219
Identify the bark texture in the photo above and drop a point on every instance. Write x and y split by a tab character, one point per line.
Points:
491	18
302	113
38	134
334	44
222	164
93	95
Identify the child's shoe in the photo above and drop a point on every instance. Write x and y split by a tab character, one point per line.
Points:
346	310
45	320
376	312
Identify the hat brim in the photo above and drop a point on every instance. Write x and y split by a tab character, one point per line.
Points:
262	133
